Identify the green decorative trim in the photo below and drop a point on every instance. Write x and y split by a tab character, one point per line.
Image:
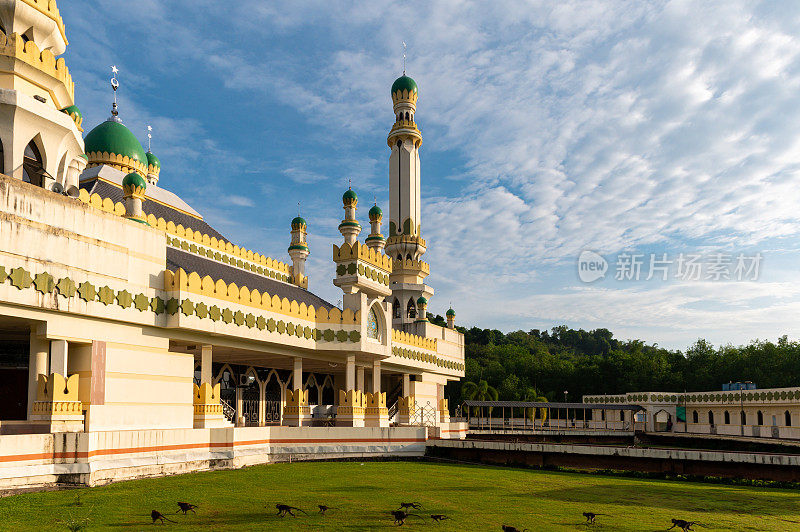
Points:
3	274
261	323
87	291
105	295
281	327
271	325
351	268
66	287
355	336
290	329
227	315
20	278
157	305
250	320
341	336
238	318
44	283
140	302
187	307
172	306
201	310
361	269
341	269
329	335
307	332
124	299
214	313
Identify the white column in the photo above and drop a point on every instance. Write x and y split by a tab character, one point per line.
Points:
297	374
205	364
350	373
360	378
58	357
406	384
376	376
37	365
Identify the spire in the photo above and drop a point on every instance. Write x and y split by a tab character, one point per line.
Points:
149	138
404	58
115	85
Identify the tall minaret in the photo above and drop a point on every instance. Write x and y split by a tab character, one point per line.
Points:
405	244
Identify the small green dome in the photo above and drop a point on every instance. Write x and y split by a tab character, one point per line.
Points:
133	180
422	301
114	138
72	110
299	221
349	196
451	312
152	160
375	212
404	83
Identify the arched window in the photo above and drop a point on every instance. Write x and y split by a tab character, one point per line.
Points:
695	418
372	325
411	310
62	166
396	308
727	418
400	257
760	417
787	419
32	165
710	417
408	257
622	415
602	415
744	418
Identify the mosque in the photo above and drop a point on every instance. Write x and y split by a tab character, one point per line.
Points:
137	339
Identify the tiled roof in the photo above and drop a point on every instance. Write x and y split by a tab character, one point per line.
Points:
107	190
194	263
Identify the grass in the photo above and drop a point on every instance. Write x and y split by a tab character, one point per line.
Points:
476	497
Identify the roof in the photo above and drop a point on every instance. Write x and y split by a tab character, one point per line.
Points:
114	138
216	270
529	404
404	83
107	183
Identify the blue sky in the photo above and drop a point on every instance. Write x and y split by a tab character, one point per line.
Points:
549	128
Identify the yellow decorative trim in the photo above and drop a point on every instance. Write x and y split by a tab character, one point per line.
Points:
296	398
375	400
120	162
49	8
78	119
57	388
362	252
413	340
219	289
155	170
105	204
405	95
29	53
406	405
406	265
206	394
406	239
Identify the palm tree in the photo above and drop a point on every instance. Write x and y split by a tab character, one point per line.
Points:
480	391
533	395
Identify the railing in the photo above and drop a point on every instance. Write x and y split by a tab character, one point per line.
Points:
228	411
392	412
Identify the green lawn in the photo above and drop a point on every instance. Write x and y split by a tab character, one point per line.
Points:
476	497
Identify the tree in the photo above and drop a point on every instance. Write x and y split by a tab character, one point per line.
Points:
480	391
532	395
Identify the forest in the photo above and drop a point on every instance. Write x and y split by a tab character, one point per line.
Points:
523	365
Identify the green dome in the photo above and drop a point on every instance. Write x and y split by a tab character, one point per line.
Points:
116	139
422	301
72	110
404	82
349	196
152	160
451	312
299	221
375	212
133	180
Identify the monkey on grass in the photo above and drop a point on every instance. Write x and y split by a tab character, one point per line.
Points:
323	508
284	509
158	516
590	517
407	505
507	528
400	516
186	507
686	526
439	517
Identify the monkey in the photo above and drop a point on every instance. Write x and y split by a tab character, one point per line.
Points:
400	517
186	507
507	528
439	517
683	525
323	508
158	516
590	517
283	509
407	505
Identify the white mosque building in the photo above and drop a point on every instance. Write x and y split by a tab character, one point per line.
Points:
136	339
